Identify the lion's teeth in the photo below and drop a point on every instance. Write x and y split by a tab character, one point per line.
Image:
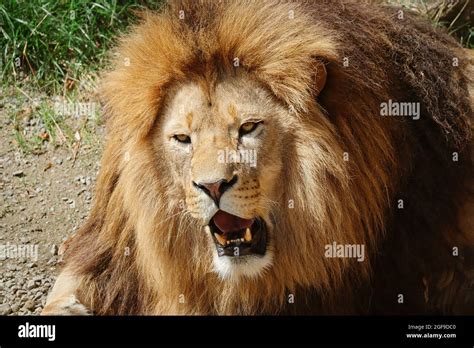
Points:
220	239
248	235
241	239
228	242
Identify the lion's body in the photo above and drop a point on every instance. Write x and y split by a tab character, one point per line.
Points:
352	176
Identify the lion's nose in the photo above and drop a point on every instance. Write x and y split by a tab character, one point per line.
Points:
217	188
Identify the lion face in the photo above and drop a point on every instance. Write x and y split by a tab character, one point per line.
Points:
222	145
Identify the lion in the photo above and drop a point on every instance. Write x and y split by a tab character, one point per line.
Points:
280	158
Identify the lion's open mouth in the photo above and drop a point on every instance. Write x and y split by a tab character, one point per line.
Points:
235	236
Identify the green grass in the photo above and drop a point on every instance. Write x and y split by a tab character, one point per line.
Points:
468	39
52	43
456	24
55	47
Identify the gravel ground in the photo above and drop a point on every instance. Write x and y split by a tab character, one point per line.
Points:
44	199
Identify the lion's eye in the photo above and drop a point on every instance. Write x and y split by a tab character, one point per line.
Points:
182	138
248	127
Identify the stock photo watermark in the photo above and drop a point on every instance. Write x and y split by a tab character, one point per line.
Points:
76	109
226	156
335	250
19	251
404	109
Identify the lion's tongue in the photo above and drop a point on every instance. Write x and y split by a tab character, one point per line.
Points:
227	222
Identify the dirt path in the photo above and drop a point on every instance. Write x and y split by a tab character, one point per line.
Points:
44	199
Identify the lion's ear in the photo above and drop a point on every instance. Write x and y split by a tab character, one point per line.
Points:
320	76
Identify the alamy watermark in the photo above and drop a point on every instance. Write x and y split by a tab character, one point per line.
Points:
37	331
405	109
19	251
345	251
75	109
238	156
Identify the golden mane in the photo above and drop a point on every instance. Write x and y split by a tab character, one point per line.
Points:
344	177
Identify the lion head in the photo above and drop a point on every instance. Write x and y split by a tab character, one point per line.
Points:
241	145
211	138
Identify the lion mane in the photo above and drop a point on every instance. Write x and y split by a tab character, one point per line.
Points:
388	183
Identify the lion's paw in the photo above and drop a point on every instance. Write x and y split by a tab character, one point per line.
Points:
66	306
